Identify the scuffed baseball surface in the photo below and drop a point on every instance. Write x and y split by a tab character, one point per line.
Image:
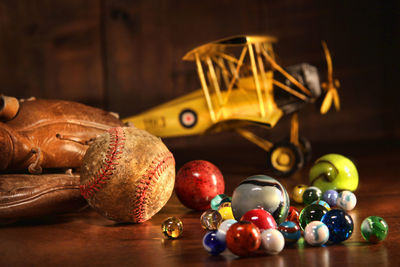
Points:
127	174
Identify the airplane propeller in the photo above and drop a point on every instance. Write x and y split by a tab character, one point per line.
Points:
330	87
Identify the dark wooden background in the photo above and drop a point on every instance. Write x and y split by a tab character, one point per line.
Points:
125	56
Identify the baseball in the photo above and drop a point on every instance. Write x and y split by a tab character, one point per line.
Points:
127	174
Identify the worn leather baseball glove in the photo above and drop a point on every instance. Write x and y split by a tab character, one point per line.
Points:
38	133
39	140
25	196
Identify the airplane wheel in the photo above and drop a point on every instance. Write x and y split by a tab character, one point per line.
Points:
285	158
305	148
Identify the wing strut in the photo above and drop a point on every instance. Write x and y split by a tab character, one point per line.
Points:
205	87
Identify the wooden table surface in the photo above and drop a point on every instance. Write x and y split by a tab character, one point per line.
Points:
85	238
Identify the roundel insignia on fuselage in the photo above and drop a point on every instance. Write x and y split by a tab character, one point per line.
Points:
188	118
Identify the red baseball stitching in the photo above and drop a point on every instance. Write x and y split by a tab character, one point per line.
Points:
153	173
117	142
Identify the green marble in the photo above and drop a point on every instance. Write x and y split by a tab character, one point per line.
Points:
313	212
217	200
312	194
322	203
334	171
374	229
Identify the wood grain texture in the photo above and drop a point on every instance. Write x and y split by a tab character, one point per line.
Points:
125	56
51	49
86	238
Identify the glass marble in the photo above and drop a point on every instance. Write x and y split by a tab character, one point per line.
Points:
225	204
330	197
210	219
172	227
311	194
297	193
216	201
261	192
261	218
346	200
334	171
316	233
226	199
243	238
322	203
223	228
374	229
197	182
293	215
340	225
313	212
212	244
272	241
226	213
290	231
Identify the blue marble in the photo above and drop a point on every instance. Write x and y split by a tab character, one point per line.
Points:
330	197
340	225
212	244
290	231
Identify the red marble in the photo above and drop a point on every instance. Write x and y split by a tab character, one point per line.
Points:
293	215
197	183
243	238
261	218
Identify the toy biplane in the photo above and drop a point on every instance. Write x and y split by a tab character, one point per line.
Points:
243	85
